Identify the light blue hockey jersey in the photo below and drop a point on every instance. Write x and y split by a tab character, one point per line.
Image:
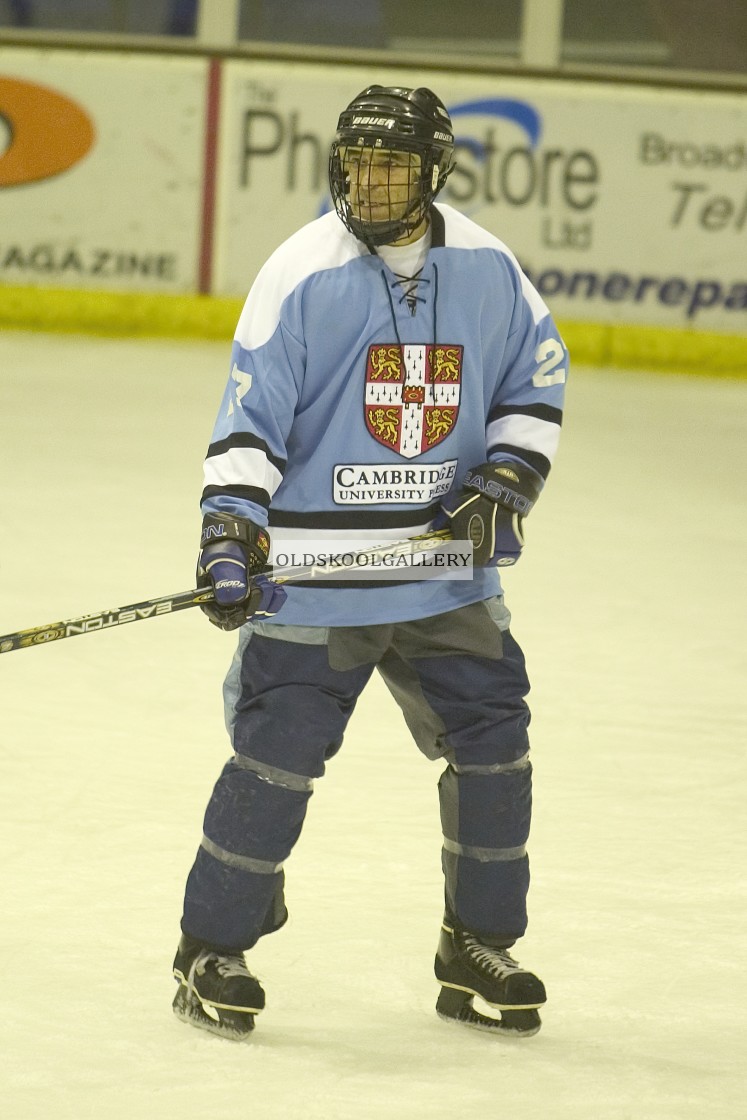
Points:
347	416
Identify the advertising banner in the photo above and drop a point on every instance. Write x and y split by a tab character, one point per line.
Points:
623	204
101	168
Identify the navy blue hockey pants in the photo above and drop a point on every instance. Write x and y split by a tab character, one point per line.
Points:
287	709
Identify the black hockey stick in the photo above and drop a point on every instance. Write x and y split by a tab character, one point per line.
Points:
170	604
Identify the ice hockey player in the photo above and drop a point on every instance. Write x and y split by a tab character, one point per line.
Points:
392	369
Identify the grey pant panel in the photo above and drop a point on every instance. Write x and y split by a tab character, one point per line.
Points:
304	635
426	727
476	631
232	683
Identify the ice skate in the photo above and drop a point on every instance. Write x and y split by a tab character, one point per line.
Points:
466	967
216	992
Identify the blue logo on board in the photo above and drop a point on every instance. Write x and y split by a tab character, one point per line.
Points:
520	113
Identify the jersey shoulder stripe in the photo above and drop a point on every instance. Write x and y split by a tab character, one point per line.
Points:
320	245
460	232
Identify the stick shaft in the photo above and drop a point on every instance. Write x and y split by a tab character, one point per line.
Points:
170	604
103	620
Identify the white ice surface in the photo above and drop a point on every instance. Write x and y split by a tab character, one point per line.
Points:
630	603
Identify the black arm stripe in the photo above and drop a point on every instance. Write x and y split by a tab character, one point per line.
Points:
540	463
251	493
352	519
245	439
538	411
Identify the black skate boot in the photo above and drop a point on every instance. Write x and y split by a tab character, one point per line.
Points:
217	992
467	967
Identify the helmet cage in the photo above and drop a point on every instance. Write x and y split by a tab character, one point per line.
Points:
412	122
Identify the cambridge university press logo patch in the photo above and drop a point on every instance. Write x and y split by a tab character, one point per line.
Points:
412	395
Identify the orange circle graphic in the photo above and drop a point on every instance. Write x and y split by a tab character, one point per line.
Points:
49	132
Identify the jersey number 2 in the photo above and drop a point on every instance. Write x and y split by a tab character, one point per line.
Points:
549	354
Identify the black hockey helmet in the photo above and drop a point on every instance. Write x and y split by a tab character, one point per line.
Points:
392	118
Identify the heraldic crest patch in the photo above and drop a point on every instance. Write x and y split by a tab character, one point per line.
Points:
412	395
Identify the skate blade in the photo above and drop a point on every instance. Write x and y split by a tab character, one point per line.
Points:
456	1006
234	1025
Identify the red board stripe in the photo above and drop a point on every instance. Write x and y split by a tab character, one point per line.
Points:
209	176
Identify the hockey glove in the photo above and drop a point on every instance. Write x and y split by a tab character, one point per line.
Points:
233	553
490	509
